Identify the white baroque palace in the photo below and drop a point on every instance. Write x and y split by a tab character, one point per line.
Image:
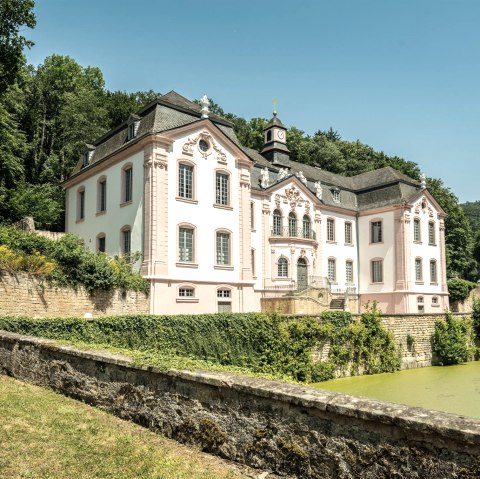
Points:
221	226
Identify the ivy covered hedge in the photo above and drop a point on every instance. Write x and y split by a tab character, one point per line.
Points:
255	342
66	261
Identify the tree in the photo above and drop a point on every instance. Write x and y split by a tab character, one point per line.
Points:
14	14
458	232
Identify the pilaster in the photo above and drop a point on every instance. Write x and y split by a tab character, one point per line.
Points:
244	226
402	254
443	259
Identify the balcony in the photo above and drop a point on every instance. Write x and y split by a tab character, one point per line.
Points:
292	233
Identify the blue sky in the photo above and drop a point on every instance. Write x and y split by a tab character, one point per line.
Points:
402	76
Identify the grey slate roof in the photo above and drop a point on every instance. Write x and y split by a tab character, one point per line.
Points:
377	188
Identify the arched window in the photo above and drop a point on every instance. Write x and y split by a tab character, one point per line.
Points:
269	135
126	240
277	223
307	227
292	224
283	268
101	242
127	183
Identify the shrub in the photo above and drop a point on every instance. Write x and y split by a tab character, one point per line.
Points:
453	340
459	289
476	316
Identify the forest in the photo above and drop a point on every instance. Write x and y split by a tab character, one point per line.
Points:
49	111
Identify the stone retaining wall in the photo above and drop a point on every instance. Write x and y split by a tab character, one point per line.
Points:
24	295
289	429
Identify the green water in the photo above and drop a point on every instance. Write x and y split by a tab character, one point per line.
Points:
454	389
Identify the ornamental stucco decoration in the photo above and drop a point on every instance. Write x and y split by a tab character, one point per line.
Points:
277	200
307	207
283	173
264	178
206	136
293	196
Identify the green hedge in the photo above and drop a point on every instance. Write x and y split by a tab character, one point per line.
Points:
257	342
459	289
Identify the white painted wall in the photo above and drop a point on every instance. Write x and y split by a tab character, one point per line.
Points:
369	251
116	216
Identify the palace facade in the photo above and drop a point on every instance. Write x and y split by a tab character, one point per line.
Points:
220	226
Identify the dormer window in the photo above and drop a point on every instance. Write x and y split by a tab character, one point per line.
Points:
86	159
336	195
87	155
132	128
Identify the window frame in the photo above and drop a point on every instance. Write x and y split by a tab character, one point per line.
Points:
292	225
331	260
253	261
277	226
227	175
282	267
102	195
352	279
127	184
331	238
81	196
434	276
183	298
432	234
418	270
126	232
417	232
378	240
100	237
179	260
350	227
229	262
373	262
306	227
181	194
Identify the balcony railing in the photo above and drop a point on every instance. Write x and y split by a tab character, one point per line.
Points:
290	232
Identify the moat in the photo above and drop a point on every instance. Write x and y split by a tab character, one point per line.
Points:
454	389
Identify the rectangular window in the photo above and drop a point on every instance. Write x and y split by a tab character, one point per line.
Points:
127	241
252	215
185	244
186	292
376	232
349	272
253	261
185	181
101	244
223	293
223	248
433	271
418	269
224	307
81	205
102	206
128	180
434	301
331	270
416	229
221	189
377	271
348	233
431	233
330	229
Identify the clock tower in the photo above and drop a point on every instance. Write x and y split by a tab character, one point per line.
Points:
275	147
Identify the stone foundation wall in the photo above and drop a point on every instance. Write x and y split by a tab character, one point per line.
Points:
23	295
288	429
466	306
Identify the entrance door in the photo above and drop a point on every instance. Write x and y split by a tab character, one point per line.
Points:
302	282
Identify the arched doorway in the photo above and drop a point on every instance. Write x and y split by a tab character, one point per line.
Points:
302	281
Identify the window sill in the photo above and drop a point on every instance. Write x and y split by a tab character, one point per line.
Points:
125	203
348	244
80	221
101	213
186	200
281	278
432	244
222	266
380	282
417	242
419	282
331	242
187	300
435	305
376	242
433	284
186	265
223	207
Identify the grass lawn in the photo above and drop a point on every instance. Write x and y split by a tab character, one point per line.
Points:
45	435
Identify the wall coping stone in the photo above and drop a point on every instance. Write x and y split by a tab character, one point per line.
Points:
416	421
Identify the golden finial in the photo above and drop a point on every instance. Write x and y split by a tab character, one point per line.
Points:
275	106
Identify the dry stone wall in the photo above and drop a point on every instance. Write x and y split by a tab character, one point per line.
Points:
23	295
289	429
